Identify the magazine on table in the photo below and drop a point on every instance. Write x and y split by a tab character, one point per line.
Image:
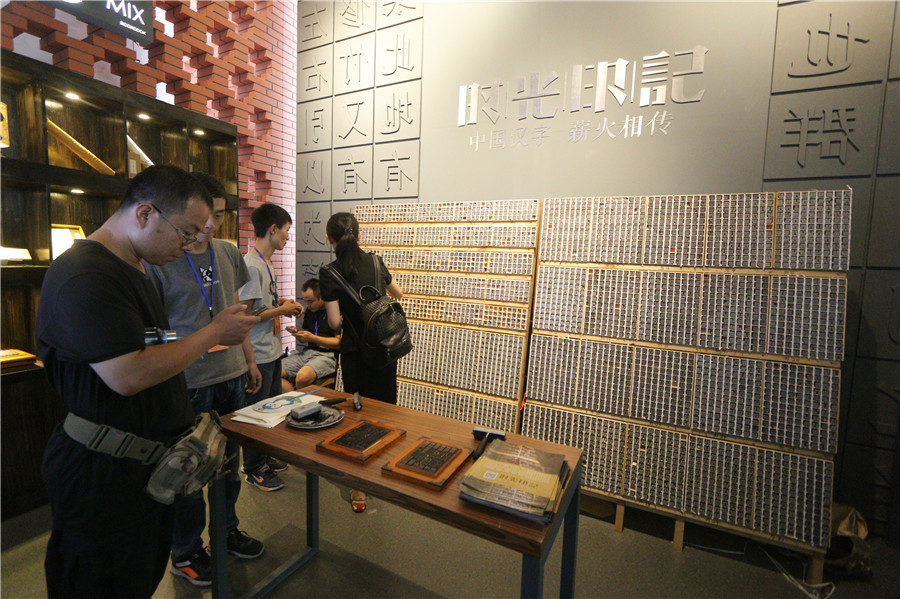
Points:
517	479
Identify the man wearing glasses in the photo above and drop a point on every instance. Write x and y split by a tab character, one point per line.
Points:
271	225
109	537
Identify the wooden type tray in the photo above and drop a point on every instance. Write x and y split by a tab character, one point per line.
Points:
333	443
434	481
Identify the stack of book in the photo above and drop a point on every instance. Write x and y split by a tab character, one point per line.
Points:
517	479
12	360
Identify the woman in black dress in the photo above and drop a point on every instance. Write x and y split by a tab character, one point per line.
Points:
359	270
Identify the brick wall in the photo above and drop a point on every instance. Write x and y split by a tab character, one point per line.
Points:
232	60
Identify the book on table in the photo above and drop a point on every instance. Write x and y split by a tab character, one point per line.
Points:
517	479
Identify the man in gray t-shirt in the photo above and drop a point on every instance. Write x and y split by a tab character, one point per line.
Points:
194	288
271	225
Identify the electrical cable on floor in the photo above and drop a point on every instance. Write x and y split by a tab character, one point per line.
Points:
813	591
742	552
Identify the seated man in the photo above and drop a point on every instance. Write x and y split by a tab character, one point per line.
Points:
317	360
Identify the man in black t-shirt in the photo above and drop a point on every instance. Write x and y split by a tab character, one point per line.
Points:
109	538
317	359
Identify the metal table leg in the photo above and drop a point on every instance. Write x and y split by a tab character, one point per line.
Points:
533	568
217	541
570	546
294	562
532	577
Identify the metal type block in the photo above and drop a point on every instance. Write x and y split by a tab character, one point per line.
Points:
807	317
663	383
720	481
654	470
739	230
603	442
604	380
674	232
502	365
494	414
669	307
611	299
800	406
338	380
552	368
793	497
559	299
814	230
618	229
734	311
548	424
566	230
727	396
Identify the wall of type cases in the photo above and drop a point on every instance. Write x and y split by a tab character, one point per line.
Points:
690	344
467	271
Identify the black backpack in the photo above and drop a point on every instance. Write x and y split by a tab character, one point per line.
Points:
385	336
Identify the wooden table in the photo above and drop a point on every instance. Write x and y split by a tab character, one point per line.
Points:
298	448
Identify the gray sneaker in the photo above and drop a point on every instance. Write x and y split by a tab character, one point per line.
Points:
243	545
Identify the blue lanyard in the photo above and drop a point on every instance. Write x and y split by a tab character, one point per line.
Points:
212	278
316	324
272	288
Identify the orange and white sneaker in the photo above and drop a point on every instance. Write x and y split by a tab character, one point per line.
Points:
197	569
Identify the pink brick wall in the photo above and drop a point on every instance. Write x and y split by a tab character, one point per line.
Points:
232	60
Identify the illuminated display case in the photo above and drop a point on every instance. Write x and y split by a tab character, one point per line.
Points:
69	146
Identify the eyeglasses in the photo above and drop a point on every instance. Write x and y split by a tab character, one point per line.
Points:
185	238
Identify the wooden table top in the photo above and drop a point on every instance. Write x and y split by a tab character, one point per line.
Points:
298	447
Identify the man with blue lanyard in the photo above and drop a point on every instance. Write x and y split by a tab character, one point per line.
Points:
271	225
317	343
194	288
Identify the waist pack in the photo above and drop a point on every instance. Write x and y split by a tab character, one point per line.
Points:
191	462
183	468
385	336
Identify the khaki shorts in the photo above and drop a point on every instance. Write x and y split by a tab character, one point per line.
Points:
323	363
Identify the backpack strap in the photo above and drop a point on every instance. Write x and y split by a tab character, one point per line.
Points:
343	283
379	275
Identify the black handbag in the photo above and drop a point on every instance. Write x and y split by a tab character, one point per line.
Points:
385	336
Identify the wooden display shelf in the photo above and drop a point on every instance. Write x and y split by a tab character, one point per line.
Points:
822	274
466	300
462	273
471	327
440	387
754	443
451	248
692	349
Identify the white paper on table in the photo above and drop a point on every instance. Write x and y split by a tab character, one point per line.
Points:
269	412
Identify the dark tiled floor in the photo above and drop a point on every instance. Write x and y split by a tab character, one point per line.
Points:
389	552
